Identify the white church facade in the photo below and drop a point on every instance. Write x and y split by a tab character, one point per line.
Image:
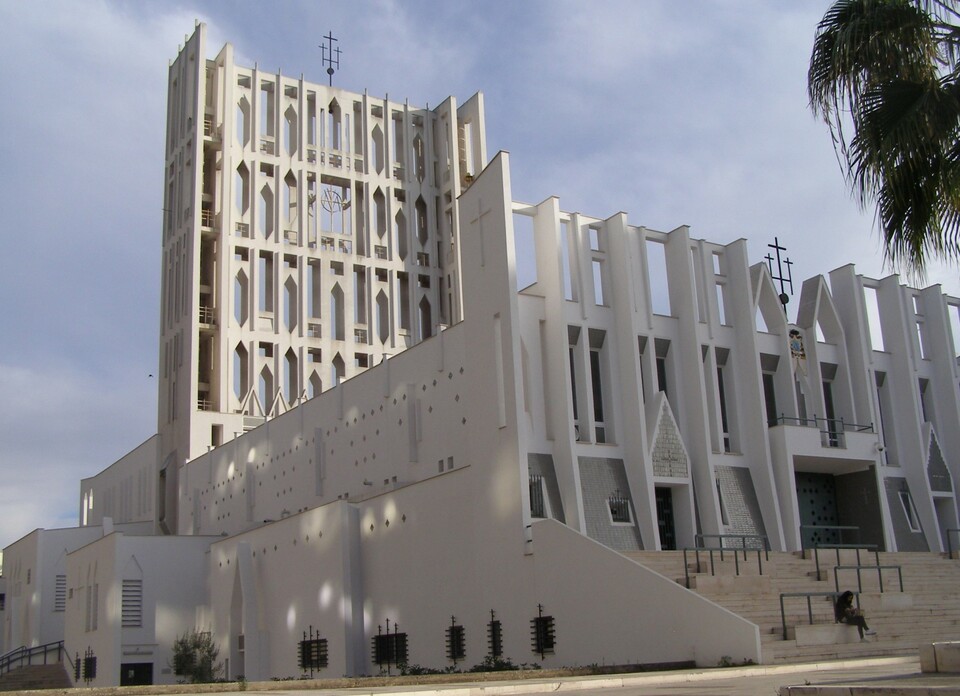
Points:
372	442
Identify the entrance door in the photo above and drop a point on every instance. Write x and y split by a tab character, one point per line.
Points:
817	500
668	535
136	673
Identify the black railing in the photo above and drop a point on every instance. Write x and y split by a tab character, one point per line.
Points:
858	568
37	655
832	430
950	541
808	595
713	570
839	547
700	539
825	528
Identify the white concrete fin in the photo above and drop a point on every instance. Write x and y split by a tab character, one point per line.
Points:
817	309
766	300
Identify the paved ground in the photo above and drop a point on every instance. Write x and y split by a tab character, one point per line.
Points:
876	676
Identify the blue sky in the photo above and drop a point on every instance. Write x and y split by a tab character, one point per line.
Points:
675	112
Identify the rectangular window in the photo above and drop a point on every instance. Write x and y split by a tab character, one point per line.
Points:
598	298
910	511
131	608
724	423
538	506
597	384
619	506
770	399
724	520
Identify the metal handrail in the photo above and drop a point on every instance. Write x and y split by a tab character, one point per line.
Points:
950	542
808	595
858	568
736	561
815	421
698	538
23	656
838	547
829	527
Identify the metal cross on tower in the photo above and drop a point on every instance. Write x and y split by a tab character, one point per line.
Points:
330	55
784	280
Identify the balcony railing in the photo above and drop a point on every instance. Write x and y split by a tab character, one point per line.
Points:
359	335
206	217
423	258
328	244
832	430
204	405
291	237
315	330
345	246
267	146
207	315
380	251
243	230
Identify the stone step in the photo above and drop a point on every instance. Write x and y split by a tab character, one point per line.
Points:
929	609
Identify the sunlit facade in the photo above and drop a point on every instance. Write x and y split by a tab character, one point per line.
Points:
375	446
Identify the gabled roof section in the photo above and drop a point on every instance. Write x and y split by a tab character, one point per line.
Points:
665	444
766	300
817	309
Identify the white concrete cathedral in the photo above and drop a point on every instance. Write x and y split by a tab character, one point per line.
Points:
371	444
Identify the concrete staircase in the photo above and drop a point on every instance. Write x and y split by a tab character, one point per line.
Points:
928	609
36	677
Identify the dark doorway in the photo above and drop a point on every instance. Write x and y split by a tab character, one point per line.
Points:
136	673
668	535
817	500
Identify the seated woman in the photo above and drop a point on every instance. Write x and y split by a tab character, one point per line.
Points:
845	612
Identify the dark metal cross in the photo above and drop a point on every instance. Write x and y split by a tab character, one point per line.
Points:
784	280
330	55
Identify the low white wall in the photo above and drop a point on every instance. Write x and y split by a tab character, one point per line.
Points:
615	611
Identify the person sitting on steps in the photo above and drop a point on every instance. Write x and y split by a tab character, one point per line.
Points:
845	612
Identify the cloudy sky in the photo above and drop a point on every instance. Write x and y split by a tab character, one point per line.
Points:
674	112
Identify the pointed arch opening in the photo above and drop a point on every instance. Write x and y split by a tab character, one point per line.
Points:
338	369
291	309
383	317
290	128
426	319
292	377
266	389
400	234
378	155
241	372
336	312
241	297
316	385
421	209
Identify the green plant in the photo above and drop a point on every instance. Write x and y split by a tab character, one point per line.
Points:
416	670
195	658
494	664
241	683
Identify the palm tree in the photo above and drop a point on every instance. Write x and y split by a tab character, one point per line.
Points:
884	76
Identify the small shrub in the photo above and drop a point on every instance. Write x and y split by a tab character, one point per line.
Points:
494	664
195	658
